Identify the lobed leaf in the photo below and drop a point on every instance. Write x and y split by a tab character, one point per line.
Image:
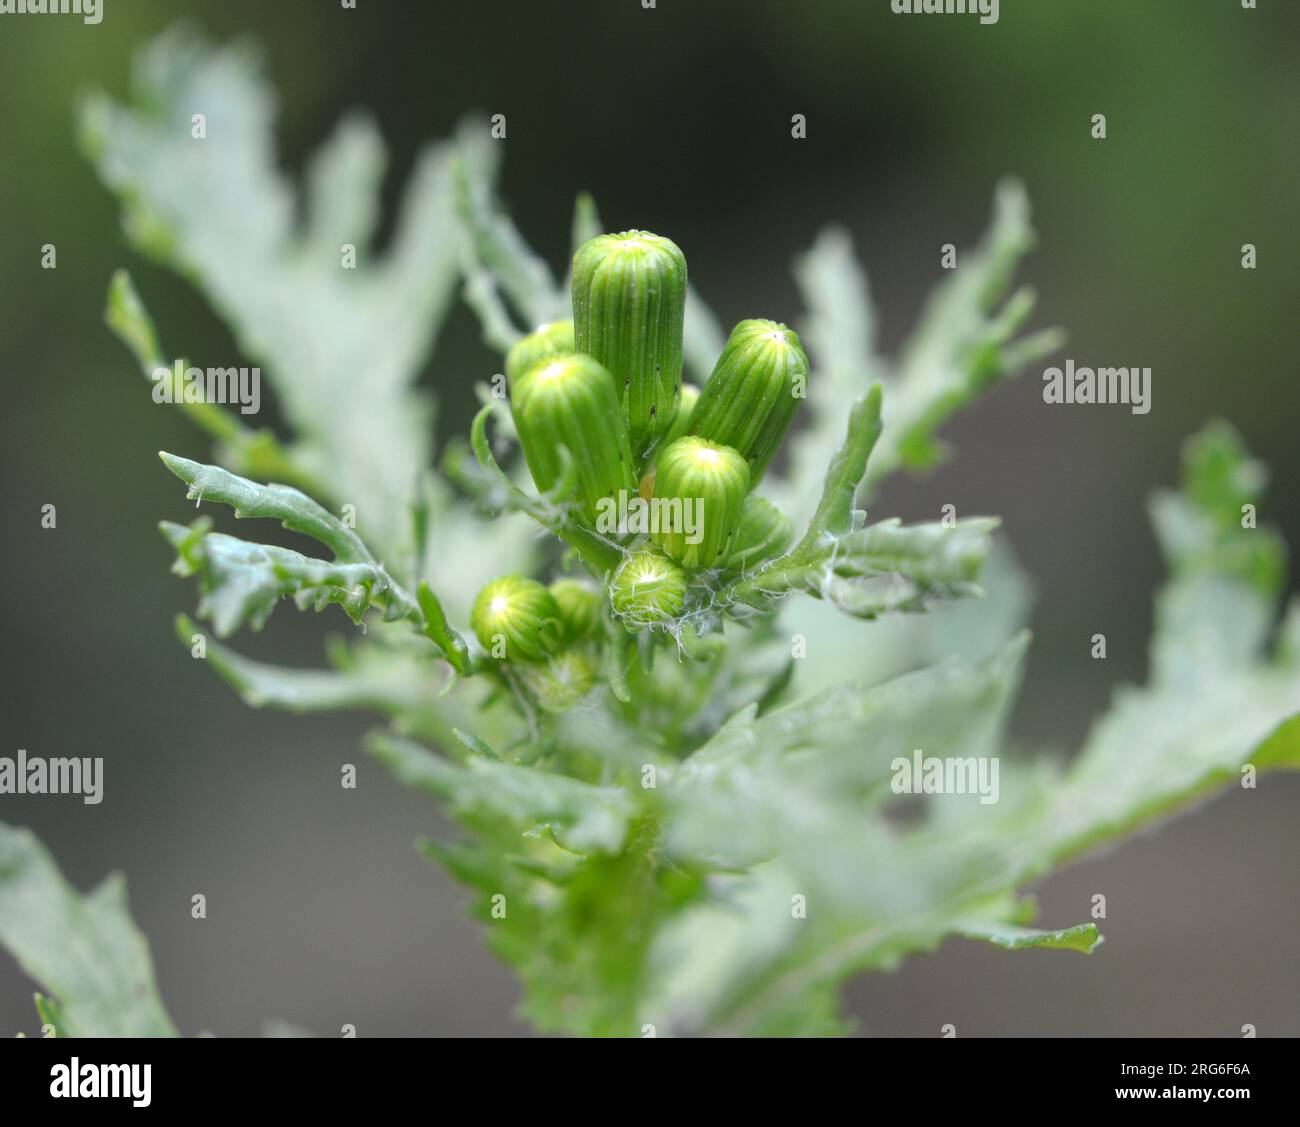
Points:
583	818
965	342
85	950
812	780
499	267
866	572
240	582
341	345
292	508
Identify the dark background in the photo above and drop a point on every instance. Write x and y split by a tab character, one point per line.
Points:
678	120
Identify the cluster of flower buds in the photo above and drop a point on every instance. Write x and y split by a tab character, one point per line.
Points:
547	634
598	402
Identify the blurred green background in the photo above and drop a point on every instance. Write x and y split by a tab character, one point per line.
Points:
678	120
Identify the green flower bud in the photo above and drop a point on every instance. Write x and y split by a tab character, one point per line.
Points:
561	681
762	533
648	588
571	401
550	340
579	609
685	405
629	296
686	401
516	619
699	490
753	393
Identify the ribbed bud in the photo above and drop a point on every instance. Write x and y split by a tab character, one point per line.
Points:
561	681
700	488
686	401
648	588
629	296
579	609
753	394
550	340
571	401
516	619
690	395
762	533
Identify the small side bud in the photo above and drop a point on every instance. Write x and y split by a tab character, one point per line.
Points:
570	401
699	489
762	533
550	340
647	589
629	298
561	681
753	394
522	613
579	609
690	395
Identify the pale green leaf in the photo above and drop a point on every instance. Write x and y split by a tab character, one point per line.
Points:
499	267
1081	937
84	950
814	781
584	818
241	582
965	341
340	347
255	452
292	508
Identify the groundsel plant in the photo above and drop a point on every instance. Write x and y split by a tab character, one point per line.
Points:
673	742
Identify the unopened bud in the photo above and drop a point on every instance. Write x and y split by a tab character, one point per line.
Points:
648	588
699	490
570	401
753	394
690	395
579	609
629	298
550	340
561	681
516	619
762	533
